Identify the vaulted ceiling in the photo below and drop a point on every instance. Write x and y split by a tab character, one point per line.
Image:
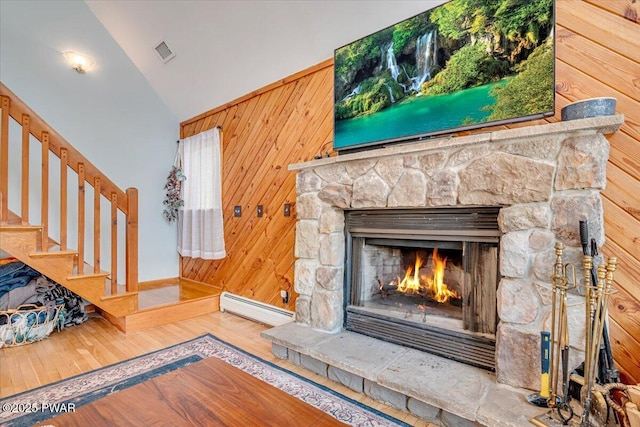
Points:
228	48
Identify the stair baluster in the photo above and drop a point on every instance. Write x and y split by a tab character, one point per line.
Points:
63	199
96	225
26	128
80	219
44	197
132	240
4	161
114	243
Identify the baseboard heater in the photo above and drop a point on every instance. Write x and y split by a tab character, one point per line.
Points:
254	310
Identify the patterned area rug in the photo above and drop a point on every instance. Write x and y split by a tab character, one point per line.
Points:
40	404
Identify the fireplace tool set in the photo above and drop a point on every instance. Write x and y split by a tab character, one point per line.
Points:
598	367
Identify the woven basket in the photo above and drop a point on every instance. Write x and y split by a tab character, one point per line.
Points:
28	323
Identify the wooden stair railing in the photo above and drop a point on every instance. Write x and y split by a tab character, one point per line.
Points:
125	202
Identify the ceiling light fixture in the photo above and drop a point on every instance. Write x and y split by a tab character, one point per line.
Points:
79	62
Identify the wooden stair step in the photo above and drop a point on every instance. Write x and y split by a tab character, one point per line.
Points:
101	275
53	254
164	314
120	305
52	245
17	227
60	263
20	239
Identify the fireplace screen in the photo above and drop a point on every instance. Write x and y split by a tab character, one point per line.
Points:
408	282
425	279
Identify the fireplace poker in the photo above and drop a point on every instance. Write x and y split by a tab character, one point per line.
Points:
556	278
587	263
565	412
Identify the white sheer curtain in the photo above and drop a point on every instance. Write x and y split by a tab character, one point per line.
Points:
200	227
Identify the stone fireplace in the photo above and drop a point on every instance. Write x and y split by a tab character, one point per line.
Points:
540	180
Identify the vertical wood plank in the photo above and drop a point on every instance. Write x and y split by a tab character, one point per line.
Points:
96	225
114	243
490	287
44	200
24	204
81	214
4	161
132	240
63	198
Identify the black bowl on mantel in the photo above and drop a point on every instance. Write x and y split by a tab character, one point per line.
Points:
594	107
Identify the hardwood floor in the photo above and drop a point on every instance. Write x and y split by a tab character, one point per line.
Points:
96	343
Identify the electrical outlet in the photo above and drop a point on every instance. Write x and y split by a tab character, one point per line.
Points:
260	211
285	296
237	211
287	209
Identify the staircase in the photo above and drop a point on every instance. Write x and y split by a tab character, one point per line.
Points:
33	244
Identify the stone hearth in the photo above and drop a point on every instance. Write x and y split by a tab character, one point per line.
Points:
544	178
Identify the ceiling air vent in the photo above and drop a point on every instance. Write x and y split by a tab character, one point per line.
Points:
164	51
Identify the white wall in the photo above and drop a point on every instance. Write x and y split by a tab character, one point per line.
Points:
243	44
111	115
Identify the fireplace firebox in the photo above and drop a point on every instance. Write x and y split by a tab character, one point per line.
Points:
425	279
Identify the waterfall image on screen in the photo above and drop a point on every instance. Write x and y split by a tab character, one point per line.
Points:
462	65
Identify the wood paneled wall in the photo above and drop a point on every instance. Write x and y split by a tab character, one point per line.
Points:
263	132
598	54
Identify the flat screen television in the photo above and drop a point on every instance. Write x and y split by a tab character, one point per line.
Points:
461	65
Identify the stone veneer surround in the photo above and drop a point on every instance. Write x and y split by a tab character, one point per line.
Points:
546	178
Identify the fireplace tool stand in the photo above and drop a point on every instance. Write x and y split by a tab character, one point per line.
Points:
598	369
592	395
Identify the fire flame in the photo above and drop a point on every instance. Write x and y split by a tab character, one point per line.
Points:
411	282
434	287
